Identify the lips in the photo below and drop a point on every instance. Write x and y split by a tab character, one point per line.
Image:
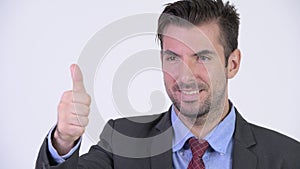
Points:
189	95
189	92
192	92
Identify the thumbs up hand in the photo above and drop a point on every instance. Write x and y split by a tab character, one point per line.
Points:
73	111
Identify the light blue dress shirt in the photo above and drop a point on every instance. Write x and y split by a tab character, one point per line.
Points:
220	139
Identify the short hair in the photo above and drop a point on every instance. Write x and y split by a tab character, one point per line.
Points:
199	12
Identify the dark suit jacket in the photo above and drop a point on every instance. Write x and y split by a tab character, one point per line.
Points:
254	147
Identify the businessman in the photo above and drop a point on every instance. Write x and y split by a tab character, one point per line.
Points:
202	128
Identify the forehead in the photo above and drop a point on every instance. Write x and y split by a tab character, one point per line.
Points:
191	39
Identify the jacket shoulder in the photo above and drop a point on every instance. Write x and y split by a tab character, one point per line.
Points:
141	126
274	146
272	139
262	147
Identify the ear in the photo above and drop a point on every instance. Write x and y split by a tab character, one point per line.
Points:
234	61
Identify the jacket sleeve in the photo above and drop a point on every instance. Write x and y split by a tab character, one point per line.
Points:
98	157
45	160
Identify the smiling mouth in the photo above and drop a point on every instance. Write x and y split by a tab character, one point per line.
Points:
190	92
189	96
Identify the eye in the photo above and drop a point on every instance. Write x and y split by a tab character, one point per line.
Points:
171	58
203	58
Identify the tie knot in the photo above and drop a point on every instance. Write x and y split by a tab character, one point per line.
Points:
198	147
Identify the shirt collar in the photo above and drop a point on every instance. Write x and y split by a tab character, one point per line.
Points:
181	132
219	138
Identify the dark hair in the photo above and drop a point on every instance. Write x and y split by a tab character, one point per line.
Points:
198	12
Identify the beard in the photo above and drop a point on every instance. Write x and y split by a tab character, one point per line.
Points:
208	101
193	110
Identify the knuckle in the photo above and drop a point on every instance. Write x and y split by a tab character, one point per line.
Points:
86	122
77	110
81	130
84	111
88	111
80	121
89	99
67	96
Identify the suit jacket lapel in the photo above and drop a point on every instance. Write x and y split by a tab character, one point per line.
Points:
161	148
243	141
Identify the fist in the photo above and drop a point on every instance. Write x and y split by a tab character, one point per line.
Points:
73	111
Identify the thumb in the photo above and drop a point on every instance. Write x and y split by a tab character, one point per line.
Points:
77	78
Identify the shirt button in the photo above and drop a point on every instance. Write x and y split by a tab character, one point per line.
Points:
181	153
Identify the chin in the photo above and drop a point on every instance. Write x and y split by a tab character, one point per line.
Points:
190	114
194	111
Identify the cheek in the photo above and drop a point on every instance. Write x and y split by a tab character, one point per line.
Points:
217	76
202	74
170	74
168	79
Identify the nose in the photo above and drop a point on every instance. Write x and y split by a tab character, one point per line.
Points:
187	70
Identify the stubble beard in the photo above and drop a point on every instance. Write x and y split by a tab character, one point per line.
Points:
193	111
198	112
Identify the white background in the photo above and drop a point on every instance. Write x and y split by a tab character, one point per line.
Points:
40	39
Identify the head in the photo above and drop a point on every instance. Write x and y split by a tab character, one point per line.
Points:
199	12
199	53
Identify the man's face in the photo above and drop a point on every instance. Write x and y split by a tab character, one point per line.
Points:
194	69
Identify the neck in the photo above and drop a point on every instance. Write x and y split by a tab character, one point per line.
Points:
202	125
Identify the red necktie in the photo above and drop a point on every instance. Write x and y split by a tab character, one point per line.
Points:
198	148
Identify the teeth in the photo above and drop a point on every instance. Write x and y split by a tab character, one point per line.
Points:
190	92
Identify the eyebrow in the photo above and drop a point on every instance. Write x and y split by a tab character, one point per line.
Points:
168	52
202	52
205	52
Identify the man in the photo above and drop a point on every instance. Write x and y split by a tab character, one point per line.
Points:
199	53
